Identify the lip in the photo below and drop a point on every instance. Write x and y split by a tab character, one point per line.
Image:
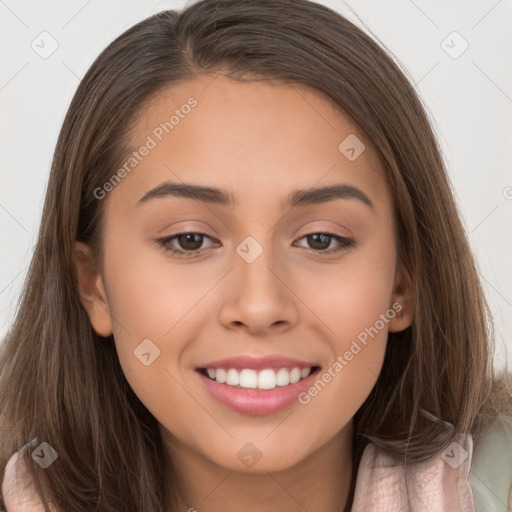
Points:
257	402
258	362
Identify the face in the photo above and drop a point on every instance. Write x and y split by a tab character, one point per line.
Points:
221	300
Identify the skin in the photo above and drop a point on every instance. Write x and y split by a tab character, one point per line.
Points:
260	141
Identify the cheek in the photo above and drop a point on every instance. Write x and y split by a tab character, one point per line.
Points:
355	312
352	295
153	299
148	294
150	301
355	308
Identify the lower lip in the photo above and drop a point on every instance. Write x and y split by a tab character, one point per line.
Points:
257	402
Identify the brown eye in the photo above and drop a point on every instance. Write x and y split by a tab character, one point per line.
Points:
320	242
190	241
184	244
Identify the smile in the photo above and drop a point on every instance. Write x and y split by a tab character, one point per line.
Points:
256	385
248	378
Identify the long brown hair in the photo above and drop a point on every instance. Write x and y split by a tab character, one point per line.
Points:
62	383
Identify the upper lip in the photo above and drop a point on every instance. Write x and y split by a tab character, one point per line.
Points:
258	362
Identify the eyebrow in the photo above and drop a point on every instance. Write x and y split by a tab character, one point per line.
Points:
222	197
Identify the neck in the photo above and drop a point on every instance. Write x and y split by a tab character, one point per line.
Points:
321	481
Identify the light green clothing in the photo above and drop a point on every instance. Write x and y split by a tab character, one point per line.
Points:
491	470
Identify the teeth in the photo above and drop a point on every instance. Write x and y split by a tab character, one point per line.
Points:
294	375
264	379
220	375
283	377
232	377
248	378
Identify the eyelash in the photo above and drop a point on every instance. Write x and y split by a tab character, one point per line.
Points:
346	243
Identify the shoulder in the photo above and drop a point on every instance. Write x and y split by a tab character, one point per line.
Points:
18	493
491	470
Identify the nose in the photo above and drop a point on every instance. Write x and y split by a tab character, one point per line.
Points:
260	298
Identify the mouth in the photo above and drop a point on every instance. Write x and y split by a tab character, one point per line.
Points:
265	379
257	386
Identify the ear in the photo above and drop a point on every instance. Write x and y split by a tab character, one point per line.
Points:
402	301
91	289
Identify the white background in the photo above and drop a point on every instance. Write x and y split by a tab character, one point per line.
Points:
469	99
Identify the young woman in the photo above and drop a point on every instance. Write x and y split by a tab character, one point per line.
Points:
251	288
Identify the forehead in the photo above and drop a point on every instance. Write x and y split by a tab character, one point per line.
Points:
249	136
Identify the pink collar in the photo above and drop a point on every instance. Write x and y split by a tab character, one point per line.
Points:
438	484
